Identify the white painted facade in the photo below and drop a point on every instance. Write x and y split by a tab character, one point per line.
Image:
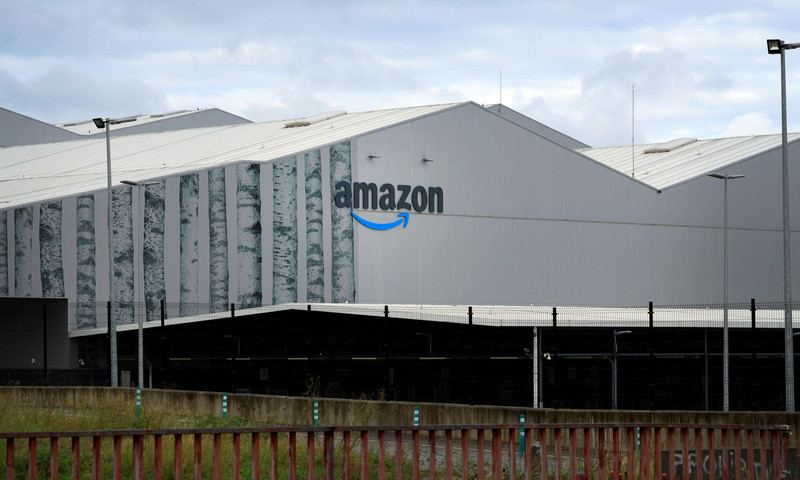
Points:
525	220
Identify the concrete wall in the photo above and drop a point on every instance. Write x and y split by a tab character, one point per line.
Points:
276	410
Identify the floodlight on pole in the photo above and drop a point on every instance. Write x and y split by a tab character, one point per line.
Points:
777	46
725	343
112	327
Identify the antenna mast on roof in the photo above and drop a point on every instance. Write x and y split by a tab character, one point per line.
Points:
500	105
633	118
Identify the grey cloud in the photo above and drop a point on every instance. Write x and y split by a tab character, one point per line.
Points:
288	103
668	89
63	94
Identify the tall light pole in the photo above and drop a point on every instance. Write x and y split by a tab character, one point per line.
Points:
776	46
140	321
725	344
112	327
535	365
614	372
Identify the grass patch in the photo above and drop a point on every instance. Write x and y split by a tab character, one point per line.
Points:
20	417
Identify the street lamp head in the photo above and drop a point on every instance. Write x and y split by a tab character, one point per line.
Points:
141	184
774	46
621	332
724	176
101	124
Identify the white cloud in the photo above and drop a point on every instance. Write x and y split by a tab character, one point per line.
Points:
753	123
64	94
570	64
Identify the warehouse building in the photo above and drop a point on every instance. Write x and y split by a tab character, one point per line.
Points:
433	206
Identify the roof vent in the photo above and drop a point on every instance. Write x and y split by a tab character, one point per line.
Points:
315	119
669	146
297	123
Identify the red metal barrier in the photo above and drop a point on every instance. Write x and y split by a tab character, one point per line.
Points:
569	451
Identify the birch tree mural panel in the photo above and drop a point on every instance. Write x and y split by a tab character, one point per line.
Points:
51	259
342	265
315	264
248	232
3	254
218	240
153	249
86	312
23	252
284	231
189	204
122	238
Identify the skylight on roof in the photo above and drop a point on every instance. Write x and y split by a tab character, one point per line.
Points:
315	119
670	145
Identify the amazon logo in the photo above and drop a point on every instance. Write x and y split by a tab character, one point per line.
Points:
387	197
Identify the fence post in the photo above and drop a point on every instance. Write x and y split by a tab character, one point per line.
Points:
650	313
233	310
555	315
386	311
163	311
44	341
753	312
469	314
112	374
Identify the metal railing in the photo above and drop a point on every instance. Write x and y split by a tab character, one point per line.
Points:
574	451
752	314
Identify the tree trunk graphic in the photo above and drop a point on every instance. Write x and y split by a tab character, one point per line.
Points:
315	264
23	252
342	268
284	231
189	206
123	294
218	239
153	249
52	265
248	231
4	254
86	311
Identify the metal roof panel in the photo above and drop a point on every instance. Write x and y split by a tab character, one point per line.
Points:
34	173
666	167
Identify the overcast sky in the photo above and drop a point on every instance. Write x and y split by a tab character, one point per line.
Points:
686	68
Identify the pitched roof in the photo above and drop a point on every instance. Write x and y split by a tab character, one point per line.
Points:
667	164
34	173
162	122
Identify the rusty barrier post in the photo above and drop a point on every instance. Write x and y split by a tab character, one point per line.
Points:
575	451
